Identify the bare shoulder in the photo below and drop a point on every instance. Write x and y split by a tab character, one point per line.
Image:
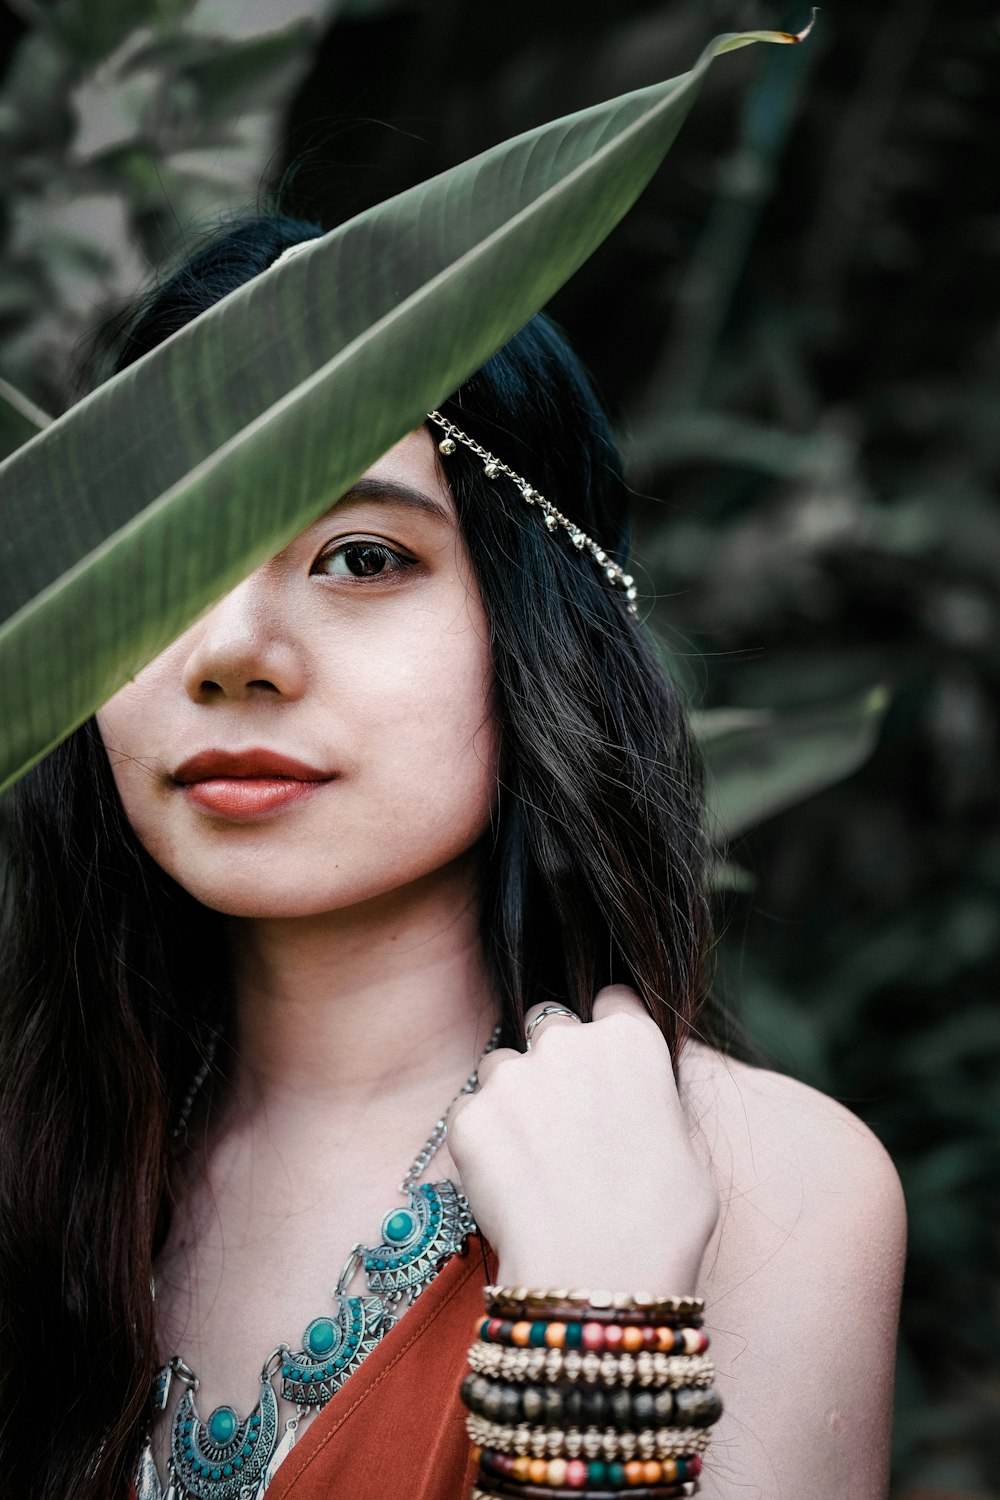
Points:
751	1118
801	1281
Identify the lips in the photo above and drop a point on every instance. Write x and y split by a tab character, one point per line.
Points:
246	764
247	784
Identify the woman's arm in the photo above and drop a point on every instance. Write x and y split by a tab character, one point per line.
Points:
802	1280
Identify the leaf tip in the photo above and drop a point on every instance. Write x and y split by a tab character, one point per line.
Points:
800	36
732	40
795	36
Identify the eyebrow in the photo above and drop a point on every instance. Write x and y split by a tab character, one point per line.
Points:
393	491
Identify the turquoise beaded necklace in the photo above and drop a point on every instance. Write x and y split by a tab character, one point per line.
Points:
229	1457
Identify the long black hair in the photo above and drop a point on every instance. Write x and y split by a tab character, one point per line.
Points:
112	972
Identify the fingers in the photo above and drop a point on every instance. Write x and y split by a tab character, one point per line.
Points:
457	1106
612	1000
618	1000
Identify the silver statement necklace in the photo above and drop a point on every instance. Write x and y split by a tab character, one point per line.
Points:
229	1457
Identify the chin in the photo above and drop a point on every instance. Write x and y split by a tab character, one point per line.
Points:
302	880
263	899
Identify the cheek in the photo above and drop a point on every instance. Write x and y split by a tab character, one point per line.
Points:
129	724
438	743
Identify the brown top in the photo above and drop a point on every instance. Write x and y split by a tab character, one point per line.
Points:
397	1424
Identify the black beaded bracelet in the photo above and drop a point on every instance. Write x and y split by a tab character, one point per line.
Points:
626	1408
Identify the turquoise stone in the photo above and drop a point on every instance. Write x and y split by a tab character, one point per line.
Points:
399	1226
322	1337
222	1424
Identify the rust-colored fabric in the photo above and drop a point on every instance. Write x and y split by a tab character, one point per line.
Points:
397	1425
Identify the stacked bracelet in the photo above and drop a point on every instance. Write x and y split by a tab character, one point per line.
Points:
597	1334
597	1393
558	1442
620	1307
618	1409
623	1369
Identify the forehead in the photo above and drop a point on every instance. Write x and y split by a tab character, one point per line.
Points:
410	474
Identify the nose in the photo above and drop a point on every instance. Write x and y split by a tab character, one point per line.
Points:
244	648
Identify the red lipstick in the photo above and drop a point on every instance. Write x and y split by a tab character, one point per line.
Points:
246	784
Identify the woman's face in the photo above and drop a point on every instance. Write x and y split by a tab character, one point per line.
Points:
324	734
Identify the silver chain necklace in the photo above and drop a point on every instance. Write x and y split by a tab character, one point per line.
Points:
228	1457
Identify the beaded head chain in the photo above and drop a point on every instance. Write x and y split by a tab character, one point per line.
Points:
492	466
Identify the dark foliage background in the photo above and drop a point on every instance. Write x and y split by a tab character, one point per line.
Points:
797	328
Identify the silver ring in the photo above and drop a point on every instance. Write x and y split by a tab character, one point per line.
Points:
546	1010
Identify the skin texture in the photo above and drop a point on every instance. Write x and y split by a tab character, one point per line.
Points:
362	1005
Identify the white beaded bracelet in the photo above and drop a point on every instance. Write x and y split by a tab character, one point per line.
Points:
642	1369
592	1443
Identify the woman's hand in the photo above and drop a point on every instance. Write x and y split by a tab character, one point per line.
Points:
576	1160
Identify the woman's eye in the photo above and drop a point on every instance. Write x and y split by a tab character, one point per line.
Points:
360	560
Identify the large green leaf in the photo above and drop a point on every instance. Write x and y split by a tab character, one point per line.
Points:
761	761
135	510
20	419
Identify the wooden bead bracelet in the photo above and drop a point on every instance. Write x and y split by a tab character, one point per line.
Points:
623	1307
500	1487
495	1484
558	1473
624	1408
593	1334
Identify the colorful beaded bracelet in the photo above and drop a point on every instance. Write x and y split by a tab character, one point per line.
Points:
571	1365
625	1408
560	1473
551	1442
489	1485
568	1312
617	1337
522	1301
508	1488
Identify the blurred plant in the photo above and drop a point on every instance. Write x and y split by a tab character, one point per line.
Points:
121	126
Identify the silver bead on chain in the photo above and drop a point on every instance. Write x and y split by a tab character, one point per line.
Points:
197	1084
492	466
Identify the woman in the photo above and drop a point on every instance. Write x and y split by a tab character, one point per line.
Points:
416	788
